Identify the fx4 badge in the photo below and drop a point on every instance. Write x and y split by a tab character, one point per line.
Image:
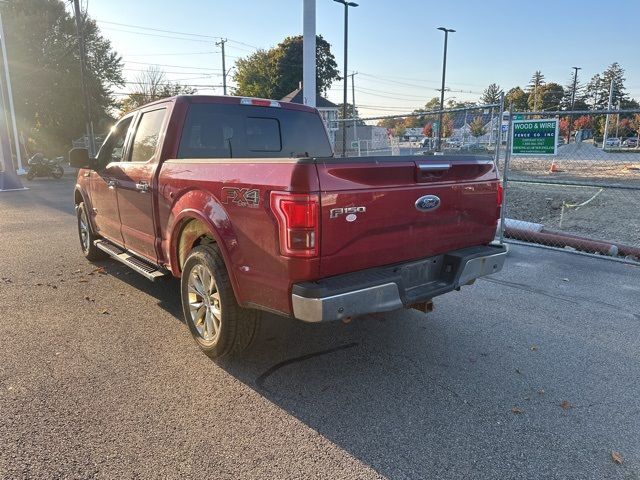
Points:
336	212
243	197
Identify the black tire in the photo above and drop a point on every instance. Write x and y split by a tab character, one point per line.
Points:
57	172
30	175
237	325
90	251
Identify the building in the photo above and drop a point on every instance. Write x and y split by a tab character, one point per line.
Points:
328	110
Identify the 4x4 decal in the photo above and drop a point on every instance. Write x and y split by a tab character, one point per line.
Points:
243	197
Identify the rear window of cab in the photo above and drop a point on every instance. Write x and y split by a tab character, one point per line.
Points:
246	131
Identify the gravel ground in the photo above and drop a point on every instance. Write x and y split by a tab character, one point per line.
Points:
531	373
613	215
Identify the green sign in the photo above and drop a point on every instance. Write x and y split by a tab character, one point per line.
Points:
534	137
517	116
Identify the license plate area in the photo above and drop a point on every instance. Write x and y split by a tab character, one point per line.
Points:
417	274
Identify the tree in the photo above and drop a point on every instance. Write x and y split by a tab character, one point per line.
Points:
43	55
276	72
635	123
583	123
534	90
399	130
447	125
427	131
478	127
433	104
518	98
597	90
491	94
350	113
552	95
563	126
568	94
152	85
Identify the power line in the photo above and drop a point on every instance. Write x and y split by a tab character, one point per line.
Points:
156	29
395	82
180	72
177	53
173	66
156	35
187	34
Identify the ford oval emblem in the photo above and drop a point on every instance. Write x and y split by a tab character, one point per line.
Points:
427	203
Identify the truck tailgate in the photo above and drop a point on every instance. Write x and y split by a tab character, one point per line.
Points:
369	214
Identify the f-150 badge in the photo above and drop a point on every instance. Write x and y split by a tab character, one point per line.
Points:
243	197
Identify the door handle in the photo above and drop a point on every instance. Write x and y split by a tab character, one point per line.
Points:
142	186
111	183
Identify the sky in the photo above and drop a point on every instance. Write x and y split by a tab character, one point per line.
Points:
393	45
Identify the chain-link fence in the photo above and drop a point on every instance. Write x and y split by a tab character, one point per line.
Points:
586	197
472	129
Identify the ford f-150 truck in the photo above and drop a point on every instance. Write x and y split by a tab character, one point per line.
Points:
245	202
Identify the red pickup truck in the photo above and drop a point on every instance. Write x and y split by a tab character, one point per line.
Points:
244	201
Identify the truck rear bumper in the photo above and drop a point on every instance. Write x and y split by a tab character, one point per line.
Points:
387	288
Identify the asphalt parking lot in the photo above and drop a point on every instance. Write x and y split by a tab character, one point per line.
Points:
532	373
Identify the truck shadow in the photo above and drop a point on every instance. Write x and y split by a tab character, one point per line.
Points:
389	390
165	290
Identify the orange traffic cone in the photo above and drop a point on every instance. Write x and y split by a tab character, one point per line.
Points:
554	167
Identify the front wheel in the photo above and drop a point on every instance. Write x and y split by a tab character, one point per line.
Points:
218	324
30	175
57	172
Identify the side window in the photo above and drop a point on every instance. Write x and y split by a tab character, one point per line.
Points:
113	148
146	137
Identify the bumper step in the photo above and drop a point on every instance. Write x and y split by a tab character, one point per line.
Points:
144	268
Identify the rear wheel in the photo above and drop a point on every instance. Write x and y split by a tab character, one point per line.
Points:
87	236
218	324
57	171
30	175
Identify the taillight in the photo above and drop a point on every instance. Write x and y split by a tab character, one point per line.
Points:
298	227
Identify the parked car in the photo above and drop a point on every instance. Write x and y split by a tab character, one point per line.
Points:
612	142
243	200
630	142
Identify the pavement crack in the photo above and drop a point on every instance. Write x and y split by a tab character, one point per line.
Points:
270	371
528	288
576	300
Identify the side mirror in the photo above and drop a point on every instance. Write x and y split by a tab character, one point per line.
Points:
79	158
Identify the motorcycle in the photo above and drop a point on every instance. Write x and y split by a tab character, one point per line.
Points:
43	167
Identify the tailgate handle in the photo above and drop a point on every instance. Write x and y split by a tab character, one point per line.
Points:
434	167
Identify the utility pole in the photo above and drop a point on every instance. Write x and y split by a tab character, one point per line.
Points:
573	100
224	68
12	111
83	79
606	123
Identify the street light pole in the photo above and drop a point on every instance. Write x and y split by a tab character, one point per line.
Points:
573	100
21	170
83	79
344	72
444	72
